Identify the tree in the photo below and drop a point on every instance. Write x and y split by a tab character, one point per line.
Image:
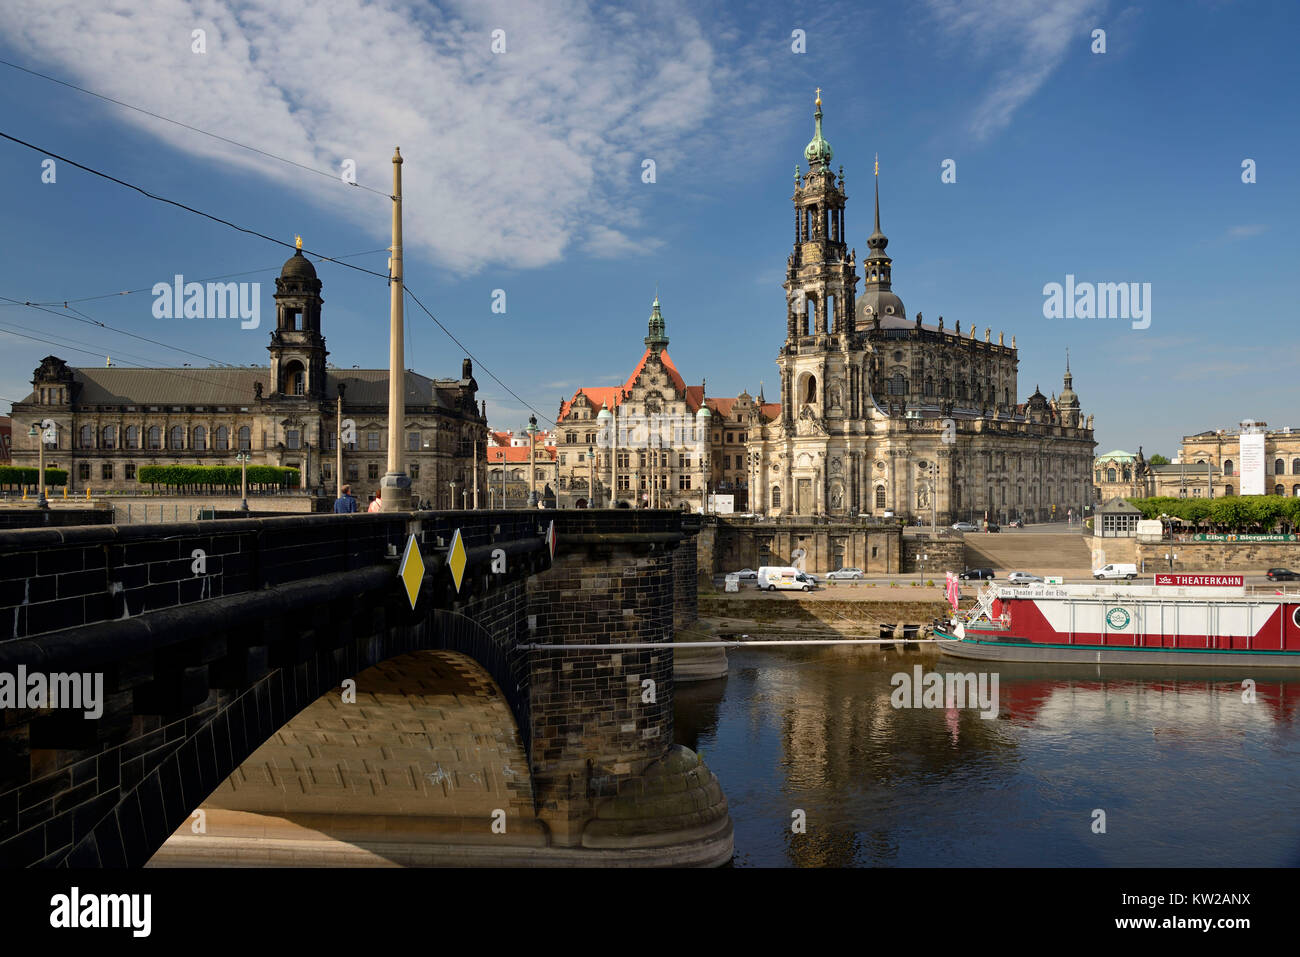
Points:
1158	459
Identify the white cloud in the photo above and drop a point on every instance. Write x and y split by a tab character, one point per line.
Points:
1245	232
509	158
1029	38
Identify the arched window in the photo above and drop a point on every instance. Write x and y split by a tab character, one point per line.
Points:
776	496
155	437
1278	490
132	437
295	379
1110	475
1227	466
810	395
1295	490
245	438
87	437
1227	490
222	441
200	438
496	475
1097	476
880	496
110	434
177	437
1279	467
929	386
898	384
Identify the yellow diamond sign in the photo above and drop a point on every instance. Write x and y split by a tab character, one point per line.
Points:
411	570
456	559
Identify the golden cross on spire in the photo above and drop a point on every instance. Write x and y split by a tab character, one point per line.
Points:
877	164
819	96
298	241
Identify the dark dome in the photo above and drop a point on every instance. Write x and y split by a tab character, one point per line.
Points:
298	266
880	302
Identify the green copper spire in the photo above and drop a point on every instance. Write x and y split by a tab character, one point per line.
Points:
818	151
657	340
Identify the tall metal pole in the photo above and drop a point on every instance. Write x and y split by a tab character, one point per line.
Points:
338	475
613	460
395	488
475	464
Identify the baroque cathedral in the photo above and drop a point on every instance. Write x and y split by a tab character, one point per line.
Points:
881	415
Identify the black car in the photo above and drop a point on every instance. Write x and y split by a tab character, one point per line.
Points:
994	527
1282	575
977	574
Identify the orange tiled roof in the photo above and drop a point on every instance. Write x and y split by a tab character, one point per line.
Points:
518	454
612	396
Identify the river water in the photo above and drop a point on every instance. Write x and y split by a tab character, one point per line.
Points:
1186	772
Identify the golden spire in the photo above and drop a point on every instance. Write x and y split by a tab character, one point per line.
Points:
877	164
819	96
298	241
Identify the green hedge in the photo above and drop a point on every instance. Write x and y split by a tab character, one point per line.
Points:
212	477
1235	512
11	475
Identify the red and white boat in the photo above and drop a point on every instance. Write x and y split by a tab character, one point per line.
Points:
1181	619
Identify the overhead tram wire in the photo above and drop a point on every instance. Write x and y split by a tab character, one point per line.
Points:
149	289
189	209
103	325
193	129
161	370
476	359
387	277
82	317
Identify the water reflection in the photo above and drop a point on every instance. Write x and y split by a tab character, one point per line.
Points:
1187	772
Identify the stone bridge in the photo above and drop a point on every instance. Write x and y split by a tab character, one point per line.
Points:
209	637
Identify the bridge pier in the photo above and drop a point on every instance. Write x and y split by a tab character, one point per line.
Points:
605	770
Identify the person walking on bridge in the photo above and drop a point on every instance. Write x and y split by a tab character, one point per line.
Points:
345	502
375	504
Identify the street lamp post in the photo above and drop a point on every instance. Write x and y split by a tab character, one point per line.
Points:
532	469
242	459
395	487
38	433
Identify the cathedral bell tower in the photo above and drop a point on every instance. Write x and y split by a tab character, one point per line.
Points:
297	347
820	284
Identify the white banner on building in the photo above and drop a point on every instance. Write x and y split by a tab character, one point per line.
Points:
1252	463
722	504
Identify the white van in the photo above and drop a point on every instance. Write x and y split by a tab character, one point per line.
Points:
1120	570
773	577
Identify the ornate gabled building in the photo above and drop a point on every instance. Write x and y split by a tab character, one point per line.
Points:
884	415
111	421
648	438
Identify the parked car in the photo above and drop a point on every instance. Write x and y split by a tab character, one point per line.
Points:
852	574
746	574
1015	523
1022	578
964	527
977	574
1117	570
1282	575
993	527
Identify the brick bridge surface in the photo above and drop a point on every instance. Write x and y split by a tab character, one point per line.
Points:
211	636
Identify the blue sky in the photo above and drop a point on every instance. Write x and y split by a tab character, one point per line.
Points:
524	168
